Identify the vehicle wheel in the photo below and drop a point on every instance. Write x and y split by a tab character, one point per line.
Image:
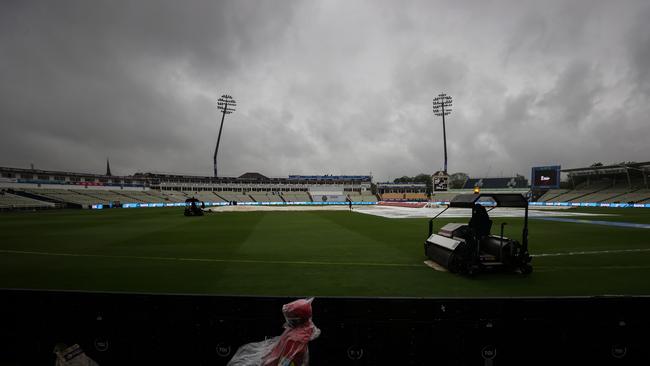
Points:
526	269
472	271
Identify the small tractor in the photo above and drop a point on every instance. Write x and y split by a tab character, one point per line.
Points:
471	248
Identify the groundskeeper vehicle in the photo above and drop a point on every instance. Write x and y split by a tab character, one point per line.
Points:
193	207
471	248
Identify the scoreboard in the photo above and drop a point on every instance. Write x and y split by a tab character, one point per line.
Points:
545	177
440	181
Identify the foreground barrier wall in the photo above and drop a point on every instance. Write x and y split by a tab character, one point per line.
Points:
147	329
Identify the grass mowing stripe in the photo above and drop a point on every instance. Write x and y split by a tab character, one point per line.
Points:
596	222
586	268
259	261
216	260
613	251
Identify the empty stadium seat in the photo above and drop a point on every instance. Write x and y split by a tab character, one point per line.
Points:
205	196
265	197
416	196
393	196
296	196
13	201
551	194
638	196
229	196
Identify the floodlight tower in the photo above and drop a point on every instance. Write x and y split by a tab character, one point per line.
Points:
226	105
442	107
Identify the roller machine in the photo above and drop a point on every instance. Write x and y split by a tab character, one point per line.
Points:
193	207
471	248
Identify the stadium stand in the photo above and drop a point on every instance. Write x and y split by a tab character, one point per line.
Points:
265	197
296	197
392	196
491	183
581	191
365	196
168	196
64	196
625	182
229	196
87	197
105	197
416	196
173	196
135	197
86	189
12	201
404	197
402	191
600	196
368	197
638	196
354	196
144	196
551	194
571	195
205	196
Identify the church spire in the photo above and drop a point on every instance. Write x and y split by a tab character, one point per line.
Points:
108	168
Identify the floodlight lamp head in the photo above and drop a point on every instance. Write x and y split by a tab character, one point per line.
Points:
225	103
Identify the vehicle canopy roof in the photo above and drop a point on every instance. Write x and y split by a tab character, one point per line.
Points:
501	200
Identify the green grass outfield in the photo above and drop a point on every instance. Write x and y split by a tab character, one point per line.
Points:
320	253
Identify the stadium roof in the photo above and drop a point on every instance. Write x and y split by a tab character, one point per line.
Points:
57	172
609	169
396	185
253	176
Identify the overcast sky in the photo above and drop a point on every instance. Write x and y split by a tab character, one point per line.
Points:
323	87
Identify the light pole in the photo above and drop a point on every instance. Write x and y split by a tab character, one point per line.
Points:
226	105
442	107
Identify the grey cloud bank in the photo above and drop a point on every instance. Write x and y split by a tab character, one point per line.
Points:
323	87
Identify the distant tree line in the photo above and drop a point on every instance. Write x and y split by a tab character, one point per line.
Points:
457	180
420	178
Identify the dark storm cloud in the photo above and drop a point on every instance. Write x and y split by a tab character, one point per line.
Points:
639	52
323	87
573	98
97	79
